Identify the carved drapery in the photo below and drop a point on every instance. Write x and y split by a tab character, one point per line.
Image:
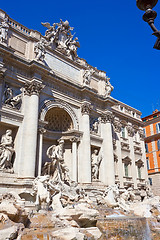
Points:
33	88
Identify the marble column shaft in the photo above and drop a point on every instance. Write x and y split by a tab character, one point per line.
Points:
85	159
74	141
41	133
30	127
107	165
133	165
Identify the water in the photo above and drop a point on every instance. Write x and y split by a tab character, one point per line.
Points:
122	227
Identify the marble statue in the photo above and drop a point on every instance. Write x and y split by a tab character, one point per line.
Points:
87	76
95	164
6	150
40	50
59	36
43	195
95	126
56	168
108	88
110	196
9	99
4	30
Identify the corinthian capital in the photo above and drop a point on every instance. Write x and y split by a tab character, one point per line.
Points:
75	139
107	117
85	108
33	88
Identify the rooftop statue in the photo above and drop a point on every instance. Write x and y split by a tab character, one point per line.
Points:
109	88
60	37
4	30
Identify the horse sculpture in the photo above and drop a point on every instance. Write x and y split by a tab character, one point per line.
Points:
110	196
43	196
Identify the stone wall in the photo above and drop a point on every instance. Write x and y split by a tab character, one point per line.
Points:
155	180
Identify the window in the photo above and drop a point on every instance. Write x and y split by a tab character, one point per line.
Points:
144	131
123	132
150	181
146	147
148	165
139	172
158	127
158	144
121	108
126	169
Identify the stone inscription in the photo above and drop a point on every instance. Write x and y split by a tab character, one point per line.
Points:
62	67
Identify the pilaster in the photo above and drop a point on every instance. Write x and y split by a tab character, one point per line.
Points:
132	155
117	129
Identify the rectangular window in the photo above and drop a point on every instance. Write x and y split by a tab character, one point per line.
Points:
158	144
146	147
126	169
158	127
150	181
148	165
139	172
144	131
123	132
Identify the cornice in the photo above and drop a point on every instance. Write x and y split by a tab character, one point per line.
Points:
127	117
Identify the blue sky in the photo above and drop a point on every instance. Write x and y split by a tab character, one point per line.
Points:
113	38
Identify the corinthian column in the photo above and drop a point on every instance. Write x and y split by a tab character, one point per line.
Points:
107	173
84	172
30	128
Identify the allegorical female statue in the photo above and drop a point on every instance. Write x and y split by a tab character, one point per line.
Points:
6	150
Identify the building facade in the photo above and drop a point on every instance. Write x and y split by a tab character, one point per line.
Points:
49	94
152	145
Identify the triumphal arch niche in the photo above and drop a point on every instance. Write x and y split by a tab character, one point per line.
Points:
57	110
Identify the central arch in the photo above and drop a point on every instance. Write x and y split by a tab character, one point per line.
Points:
58	120
62	110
